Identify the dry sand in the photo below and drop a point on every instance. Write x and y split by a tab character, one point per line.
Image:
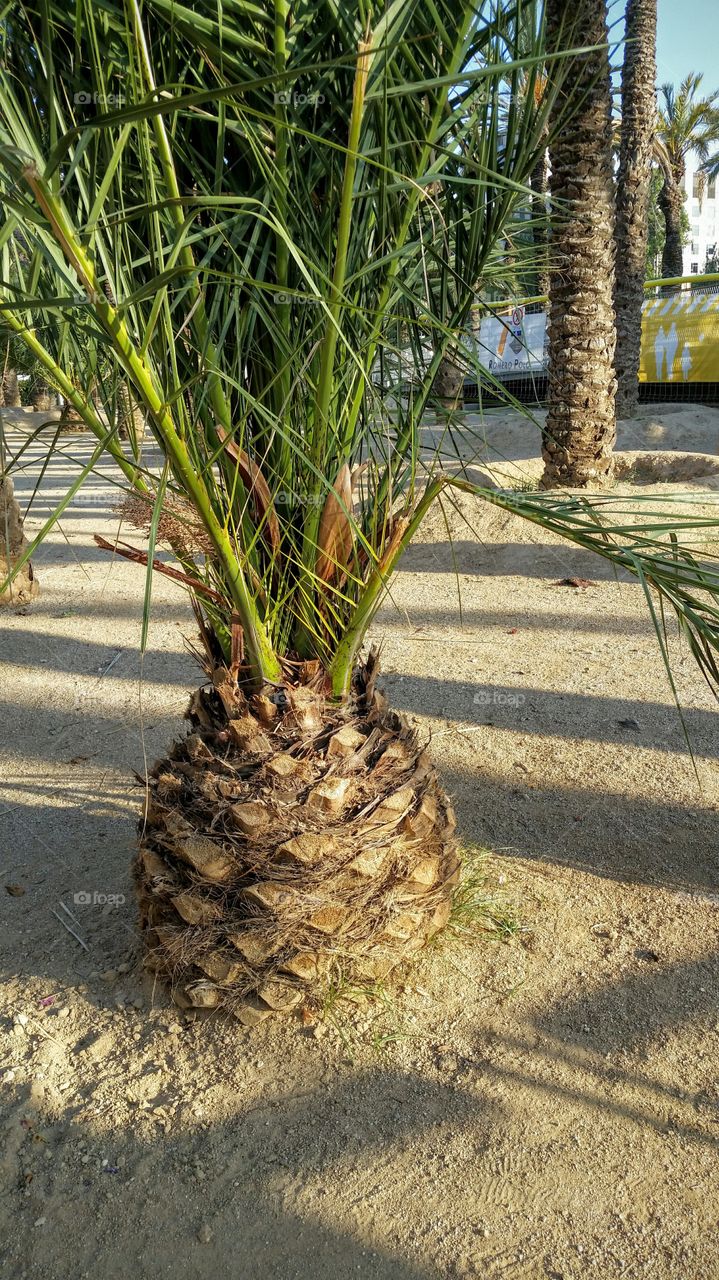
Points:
545	1108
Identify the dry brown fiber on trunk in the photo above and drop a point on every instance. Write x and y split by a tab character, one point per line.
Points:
289	842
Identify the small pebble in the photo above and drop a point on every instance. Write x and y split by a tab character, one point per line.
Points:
64	1012
40	1222
204	1235
22	1019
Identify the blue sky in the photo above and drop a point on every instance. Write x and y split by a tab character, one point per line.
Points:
687	39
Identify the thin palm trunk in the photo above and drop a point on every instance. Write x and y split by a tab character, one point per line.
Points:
635	161
581	424
671	203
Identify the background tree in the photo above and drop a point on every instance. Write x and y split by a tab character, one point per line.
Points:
40	395
633	193
13	549
580	427
686	123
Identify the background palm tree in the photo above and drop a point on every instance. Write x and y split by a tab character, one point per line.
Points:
686	123
10	389
633	191
13	546
581	425
40	395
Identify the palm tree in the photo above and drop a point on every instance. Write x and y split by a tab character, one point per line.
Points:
257	253
10	389
686	123
13	545
633	189
581	425
40	396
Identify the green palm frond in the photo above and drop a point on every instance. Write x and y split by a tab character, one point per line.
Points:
270	223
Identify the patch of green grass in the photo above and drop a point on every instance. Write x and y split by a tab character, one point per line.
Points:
480	911
478	908
345	995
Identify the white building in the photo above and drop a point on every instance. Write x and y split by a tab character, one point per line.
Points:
702	208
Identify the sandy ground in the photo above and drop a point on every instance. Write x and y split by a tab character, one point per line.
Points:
543	1108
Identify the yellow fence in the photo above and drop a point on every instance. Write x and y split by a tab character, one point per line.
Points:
680	333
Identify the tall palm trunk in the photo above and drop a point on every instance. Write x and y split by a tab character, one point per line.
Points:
635	162
581	424
671	202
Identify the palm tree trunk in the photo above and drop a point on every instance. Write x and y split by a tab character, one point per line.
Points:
11	389
580	428
24	587
635	162
70	419
41	401
671	202
448	385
